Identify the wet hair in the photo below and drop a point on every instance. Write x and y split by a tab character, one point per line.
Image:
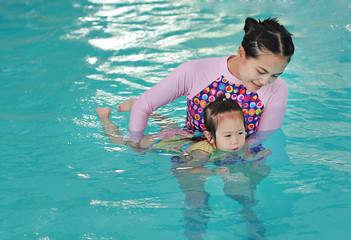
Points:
267	35
214	110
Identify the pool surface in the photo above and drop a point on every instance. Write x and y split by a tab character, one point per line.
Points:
60	178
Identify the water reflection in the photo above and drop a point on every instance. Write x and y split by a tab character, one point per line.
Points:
153	34
239	184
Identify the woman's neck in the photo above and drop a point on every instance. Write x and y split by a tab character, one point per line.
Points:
233	66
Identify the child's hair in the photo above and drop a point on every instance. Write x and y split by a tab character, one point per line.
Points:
218	108
267	35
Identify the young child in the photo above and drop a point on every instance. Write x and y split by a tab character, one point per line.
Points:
225	124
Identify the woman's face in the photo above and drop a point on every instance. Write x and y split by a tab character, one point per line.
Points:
258	72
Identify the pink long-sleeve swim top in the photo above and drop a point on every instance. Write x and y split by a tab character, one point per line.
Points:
201	81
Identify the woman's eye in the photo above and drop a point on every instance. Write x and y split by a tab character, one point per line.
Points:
227	135
259	72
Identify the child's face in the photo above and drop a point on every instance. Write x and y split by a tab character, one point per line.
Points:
230	132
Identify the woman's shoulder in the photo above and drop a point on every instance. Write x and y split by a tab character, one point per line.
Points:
276	92
280	83
207	61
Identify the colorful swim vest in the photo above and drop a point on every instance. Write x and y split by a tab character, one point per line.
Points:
250	103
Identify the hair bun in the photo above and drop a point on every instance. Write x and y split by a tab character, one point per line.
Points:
249	23
221	98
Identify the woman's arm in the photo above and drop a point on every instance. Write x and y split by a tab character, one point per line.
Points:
275	98
172	87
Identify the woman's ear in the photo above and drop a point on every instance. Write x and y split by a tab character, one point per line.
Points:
210	139
241	52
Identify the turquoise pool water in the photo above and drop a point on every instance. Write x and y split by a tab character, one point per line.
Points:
60	178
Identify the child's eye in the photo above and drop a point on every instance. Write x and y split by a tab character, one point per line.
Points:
240	133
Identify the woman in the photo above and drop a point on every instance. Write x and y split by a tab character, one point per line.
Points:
251	78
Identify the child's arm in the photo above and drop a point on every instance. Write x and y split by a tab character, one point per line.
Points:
110	129
254	156
217	170
197	160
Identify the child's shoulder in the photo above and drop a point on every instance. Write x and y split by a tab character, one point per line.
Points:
201	146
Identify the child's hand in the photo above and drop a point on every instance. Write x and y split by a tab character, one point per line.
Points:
197	170
254	156
221	170
126	105
218	170
264	153
103	112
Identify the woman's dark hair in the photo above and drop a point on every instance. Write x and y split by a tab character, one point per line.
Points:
267	35
215	109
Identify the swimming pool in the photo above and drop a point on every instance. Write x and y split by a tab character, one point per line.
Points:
62	179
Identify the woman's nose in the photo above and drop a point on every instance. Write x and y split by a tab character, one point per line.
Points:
264	80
